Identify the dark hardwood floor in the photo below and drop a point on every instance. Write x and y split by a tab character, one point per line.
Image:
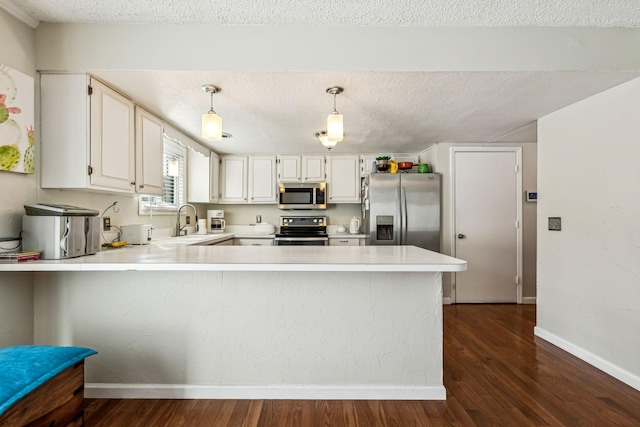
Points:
495	371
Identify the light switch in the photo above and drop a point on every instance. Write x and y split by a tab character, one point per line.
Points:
555	223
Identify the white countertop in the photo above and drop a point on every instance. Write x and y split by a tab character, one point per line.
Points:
181	253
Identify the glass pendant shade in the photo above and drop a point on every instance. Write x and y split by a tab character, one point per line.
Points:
328	143
212	126
335	128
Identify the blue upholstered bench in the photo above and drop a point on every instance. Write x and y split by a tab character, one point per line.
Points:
42	385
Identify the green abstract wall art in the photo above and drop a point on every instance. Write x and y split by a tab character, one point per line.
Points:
16	121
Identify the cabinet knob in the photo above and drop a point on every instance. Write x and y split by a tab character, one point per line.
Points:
142	186
133	183
461	236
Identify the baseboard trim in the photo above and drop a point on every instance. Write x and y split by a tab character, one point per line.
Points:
592	359
528	300
311	392
446	301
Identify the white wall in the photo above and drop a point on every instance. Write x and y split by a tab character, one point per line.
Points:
440	157
16	291
589	273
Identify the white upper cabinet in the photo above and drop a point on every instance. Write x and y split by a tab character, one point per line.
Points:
198	182
214	178
294	168
343	179
313	169
290	168
233	179
149	150
88	138
262	179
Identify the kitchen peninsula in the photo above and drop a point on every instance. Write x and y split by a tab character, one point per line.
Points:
177	320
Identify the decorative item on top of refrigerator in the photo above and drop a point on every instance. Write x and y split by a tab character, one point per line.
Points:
402	209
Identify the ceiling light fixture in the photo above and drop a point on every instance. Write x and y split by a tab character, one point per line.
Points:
322	137
335	125
211	122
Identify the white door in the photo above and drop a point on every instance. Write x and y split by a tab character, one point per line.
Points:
486	224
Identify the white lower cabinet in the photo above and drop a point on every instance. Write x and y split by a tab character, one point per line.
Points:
344	241
252	242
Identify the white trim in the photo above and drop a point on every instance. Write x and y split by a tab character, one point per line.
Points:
528	300
592	359
19	13
314	392
447	301
519	235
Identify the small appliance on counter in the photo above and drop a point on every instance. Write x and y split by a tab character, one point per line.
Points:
60	231
215	218
136	234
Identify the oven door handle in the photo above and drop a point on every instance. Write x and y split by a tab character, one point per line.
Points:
302	239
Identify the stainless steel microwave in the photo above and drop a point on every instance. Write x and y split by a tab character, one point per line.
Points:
302	195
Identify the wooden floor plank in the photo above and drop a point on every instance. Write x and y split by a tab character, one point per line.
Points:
495	371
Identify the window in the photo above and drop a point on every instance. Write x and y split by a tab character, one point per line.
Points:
173	171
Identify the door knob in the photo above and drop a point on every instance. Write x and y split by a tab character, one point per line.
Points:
461	236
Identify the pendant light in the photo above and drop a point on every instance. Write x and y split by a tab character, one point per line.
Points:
335	125
322	137
211	122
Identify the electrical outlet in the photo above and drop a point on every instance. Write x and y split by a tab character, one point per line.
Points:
106	223
188	220
555	223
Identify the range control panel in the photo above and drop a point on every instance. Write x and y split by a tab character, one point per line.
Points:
303	221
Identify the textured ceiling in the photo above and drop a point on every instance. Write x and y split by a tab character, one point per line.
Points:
404	112
570	13
384	112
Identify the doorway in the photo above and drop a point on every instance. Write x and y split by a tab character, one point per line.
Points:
487	223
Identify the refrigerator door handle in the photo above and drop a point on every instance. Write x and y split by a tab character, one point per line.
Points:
403	208
397	238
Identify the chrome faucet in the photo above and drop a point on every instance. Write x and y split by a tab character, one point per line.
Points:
178	228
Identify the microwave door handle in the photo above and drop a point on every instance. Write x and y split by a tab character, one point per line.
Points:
64	240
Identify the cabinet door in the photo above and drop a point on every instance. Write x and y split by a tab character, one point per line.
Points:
262	179
214	178
289	168
233	173
343	179
313	169
344	242
112	139
366	164
197	177
252	242
149	149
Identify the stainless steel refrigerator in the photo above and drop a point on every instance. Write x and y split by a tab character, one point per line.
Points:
402	209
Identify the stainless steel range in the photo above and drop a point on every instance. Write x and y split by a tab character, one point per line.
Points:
302	231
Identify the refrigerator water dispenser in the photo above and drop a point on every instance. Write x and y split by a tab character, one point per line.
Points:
384	227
